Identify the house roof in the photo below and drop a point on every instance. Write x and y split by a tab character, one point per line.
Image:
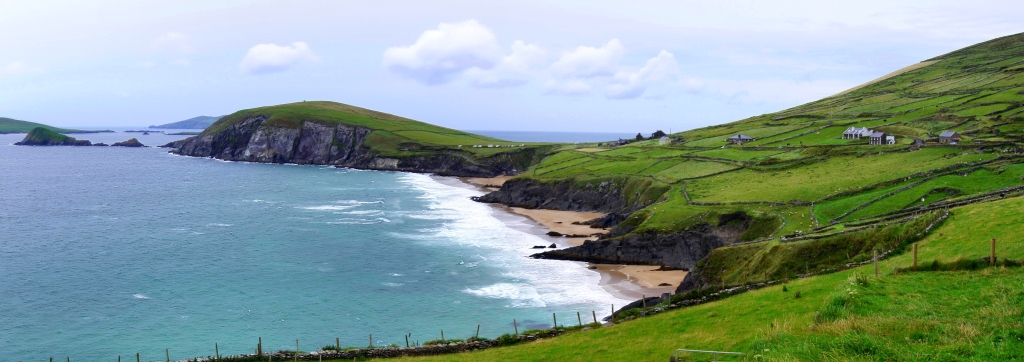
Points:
948	134
878	134
741	137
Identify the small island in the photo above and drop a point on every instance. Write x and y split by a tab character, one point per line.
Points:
129	143
40	136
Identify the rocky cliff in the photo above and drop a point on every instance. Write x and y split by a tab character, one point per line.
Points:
679	250
253	140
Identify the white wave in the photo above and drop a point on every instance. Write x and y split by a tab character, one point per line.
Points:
397	275
522	295
140	296
326	208
393	285
220	225
364	212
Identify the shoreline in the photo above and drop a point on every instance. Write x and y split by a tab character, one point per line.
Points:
629	282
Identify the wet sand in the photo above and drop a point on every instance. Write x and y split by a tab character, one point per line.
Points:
628	282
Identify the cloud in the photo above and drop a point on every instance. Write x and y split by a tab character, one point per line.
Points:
513	70
572	87
661	69
19	68
273	58
173	43
588	62
442	54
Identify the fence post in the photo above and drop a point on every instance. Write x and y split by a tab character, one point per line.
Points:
136	357
875	258
992	254
118	358
442	336
477	336
371	340
216	351
515	326
915	256
337	342
259	348
595	315
554	320
579	319
644	298
406	341
296	350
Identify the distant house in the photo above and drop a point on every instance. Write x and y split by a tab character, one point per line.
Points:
949	137
877	138
621	142
664	140
740	139
854	133
890	140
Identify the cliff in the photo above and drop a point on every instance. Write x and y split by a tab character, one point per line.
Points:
326	133
40	136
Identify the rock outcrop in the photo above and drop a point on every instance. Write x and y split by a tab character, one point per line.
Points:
254	140
129	143
567	195
679	250
40	136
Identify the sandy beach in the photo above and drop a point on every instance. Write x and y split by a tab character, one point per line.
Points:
629	282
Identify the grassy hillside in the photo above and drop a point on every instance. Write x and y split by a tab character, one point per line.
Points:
8	125
200	122
825	201
391	135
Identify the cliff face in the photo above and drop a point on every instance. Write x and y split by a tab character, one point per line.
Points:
603	197
341	145
679	250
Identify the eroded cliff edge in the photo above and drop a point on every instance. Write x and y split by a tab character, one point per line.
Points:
253	139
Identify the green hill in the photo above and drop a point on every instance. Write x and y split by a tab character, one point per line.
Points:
41	136
8	125
200	122
820	206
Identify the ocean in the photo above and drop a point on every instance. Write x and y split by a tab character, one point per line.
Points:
115	251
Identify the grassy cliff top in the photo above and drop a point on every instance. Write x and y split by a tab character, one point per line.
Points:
391	134
8	125
42	135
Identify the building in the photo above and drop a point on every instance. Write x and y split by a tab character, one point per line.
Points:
877	138
949	137
890	140
664	140
854	133
740	139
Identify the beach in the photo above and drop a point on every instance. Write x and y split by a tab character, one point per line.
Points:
623	281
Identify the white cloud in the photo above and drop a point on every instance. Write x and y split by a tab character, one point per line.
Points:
20	67
513	70
659	70
272	58
440	55
572	87
173	42
587	62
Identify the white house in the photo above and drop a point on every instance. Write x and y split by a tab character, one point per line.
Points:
854	133
664	140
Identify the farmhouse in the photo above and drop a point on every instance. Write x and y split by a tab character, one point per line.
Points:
854	133
949	137
740	139
664	140
878	138
890	140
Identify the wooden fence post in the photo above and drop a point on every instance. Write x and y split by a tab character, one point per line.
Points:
216	351
595	315
136	357
167	353
915	256
406	341
259	348
296	350
579	319
371	340
442	336
477	336
554	320
875	258
515	326
337	342
644	299
992	253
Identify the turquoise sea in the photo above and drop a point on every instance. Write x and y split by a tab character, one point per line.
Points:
113	251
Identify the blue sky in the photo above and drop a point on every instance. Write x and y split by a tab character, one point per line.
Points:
595	66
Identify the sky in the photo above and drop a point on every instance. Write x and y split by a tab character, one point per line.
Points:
567	66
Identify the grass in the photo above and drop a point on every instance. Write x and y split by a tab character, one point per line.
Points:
8	125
